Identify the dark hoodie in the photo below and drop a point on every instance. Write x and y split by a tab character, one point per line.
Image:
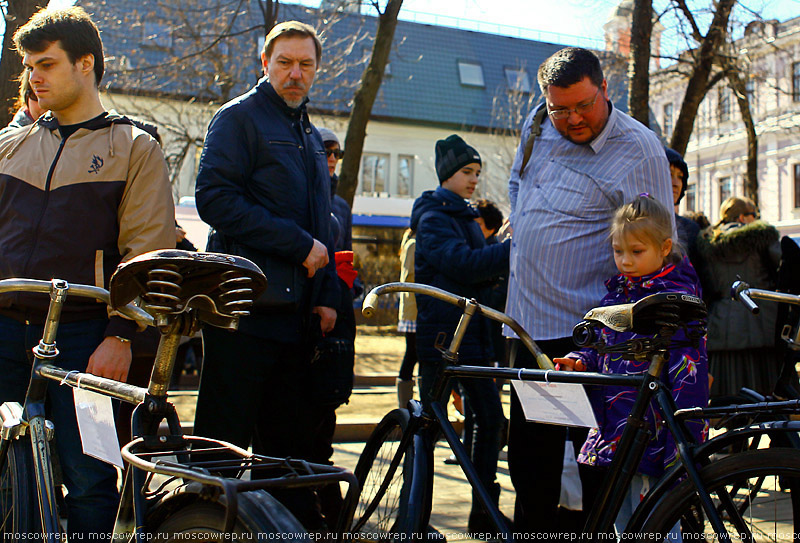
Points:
452	255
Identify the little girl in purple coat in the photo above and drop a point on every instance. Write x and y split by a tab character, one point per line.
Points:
649	262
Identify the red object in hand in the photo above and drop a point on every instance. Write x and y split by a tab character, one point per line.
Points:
344	267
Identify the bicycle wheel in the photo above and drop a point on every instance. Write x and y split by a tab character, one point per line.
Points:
757	494
18	503
257	513
385	474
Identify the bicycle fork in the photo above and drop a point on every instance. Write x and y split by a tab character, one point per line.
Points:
39	429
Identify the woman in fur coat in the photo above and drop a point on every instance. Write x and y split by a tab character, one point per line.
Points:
741	346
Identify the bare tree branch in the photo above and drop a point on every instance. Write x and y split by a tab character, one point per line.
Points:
365	98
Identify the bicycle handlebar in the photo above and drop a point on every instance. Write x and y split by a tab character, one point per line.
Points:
741	291
368	309
83	291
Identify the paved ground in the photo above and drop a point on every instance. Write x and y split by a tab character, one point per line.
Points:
380	353
378	356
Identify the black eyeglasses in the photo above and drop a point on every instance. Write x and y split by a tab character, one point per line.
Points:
338	153
581	109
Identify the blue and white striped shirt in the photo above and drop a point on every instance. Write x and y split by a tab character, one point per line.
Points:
560	212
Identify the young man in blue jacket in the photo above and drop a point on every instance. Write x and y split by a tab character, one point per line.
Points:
452	255
264	186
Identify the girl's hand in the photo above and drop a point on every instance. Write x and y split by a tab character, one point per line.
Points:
569	364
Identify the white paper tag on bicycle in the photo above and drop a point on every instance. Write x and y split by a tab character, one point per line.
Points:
565	404
96	425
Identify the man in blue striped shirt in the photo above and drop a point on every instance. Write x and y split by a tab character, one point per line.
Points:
588	160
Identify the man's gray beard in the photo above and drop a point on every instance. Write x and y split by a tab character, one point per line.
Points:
294	104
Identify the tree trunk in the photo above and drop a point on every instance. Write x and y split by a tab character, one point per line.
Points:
17	14
639	62
736	83
365	98
698	82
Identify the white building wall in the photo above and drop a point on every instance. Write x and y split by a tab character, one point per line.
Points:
182	127
718	149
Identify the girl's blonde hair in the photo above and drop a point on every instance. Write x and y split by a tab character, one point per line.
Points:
648	220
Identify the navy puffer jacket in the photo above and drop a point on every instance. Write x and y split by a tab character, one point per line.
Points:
264	186
452	254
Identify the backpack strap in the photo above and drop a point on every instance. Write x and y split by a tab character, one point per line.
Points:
536	130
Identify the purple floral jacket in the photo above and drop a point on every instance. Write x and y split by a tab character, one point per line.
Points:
686	375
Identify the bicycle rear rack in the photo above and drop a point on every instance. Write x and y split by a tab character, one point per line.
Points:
220	465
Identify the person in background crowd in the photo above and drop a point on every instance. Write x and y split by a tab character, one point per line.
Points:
688	230
332	368
407	320
28	109
452	254
588	160
490	221
90	190
181	241
700	218
741	346
263	185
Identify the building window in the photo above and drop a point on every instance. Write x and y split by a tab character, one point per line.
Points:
724	104
667	120
796	81
518	80
797	185
470	73
374	172
691	197
405	175
156	35
725	189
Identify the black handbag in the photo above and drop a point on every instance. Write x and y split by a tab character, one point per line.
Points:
286	282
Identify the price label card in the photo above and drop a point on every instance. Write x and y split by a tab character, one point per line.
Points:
565	404
96	425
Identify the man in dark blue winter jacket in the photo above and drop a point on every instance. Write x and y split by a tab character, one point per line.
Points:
452	255
263	185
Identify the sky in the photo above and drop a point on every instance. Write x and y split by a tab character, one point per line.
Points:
569	22
573	22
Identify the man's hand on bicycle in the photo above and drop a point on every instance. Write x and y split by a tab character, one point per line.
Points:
569	364
111	359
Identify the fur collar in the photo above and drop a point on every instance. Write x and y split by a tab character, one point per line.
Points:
736	238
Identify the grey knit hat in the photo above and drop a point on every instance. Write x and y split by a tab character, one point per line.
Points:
328	136
452	154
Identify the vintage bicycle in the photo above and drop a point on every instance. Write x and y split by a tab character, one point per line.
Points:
175	486
747	495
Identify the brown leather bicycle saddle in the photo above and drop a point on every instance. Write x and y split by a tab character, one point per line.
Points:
219	287
646	316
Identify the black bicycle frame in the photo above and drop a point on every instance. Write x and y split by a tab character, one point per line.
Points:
633	441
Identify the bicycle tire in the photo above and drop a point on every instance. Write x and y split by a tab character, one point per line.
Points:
384	473
258	514
18	502
764	486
